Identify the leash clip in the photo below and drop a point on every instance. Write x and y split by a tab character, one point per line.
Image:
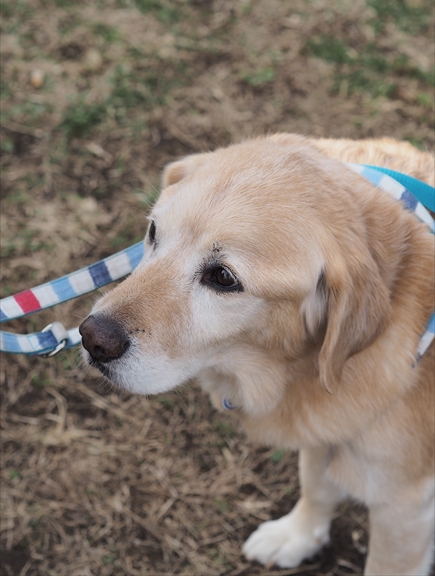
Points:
59	332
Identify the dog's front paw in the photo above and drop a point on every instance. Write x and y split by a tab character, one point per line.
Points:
287	541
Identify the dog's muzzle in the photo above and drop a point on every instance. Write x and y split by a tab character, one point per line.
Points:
104	338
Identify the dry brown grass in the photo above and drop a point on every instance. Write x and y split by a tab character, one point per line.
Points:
95	482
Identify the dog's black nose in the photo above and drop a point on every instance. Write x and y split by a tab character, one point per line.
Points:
104	338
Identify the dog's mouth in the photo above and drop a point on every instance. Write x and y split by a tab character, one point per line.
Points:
103	368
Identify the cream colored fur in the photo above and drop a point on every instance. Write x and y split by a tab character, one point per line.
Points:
317	351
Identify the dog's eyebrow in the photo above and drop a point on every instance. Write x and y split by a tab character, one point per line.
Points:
211	262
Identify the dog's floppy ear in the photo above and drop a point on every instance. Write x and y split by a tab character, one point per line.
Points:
349	307
178	170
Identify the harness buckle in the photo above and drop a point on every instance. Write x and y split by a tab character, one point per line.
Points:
59	332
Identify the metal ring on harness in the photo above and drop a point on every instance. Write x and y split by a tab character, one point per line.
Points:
61	344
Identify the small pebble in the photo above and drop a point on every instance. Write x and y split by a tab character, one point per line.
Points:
37	78
93	60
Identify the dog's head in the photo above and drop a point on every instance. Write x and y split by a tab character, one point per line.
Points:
257	248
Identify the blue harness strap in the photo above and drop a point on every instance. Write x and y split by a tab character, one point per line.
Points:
422	191
409	198
412	200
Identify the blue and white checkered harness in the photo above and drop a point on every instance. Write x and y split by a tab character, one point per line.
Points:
388	180
56	337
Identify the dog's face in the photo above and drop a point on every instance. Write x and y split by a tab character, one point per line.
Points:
242	275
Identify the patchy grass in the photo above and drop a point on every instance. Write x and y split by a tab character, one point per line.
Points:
81	117
409	16
108	33
258	77
367	69
167	11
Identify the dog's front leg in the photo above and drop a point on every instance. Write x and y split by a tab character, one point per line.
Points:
401	534
300	534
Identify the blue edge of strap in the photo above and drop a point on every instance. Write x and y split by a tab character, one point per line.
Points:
422	191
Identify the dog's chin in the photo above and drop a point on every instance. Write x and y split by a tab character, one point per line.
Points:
144	374
123	375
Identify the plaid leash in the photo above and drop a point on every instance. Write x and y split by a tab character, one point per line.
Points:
56	337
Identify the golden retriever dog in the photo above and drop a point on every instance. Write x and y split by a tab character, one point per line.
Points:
296	292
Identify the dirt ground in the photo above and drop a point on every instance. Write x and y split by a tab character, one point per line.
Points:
96	97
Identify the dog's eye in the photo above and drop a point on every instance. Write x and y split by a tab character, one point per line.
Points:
222	279
152	232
